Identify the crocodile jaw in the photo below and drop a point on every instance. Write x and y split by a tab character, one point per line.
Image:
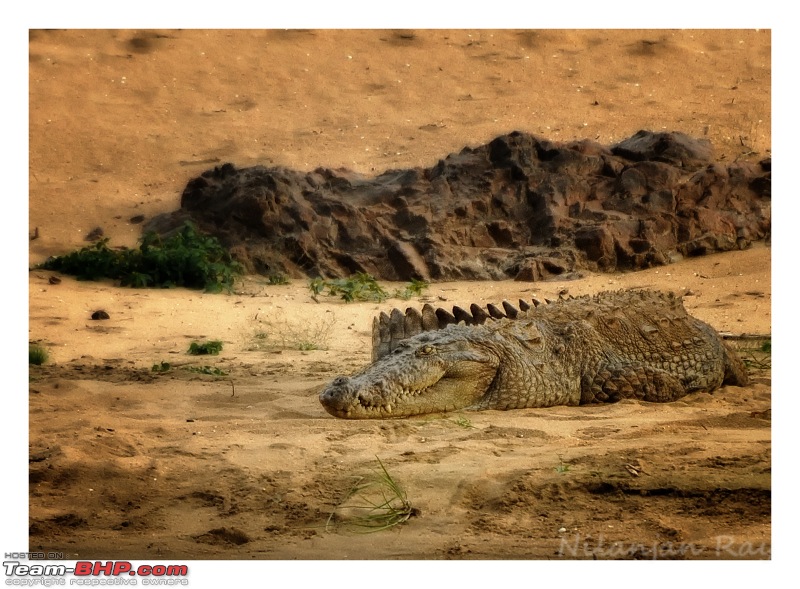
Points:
345	398
407	383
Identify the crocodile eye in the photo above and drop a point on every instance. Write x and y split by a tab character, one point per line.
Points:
425	350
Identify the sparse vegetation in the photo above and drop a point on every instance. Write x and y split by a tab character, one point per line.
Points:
277	279
188	259
462	421
562	467
363	287
755	353
359	287
205	348
37	355
413	289
373	504
279	334
317	285
163	367
210	370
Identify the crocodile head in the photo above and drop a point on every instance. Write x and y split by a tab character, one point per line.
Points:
432	372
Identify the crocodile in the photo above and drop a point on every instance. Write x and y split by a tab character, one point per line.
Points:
636	344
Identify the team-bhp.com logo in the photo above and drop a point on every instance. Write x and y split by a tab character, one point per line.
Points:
84	572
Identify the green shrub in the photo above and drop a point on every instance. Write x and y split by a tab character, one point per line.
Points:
161	367
188	259
205	348
210	370
359	287
362	287
37	354
413	289
277	279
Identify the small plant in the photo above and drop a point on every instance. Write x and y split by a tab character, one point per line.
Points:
210	370
37	355
755	354
413	289
562	467
205	348
363	287
317	285
277	279
374	504
359	287
188	259
462	421
279	334
161	367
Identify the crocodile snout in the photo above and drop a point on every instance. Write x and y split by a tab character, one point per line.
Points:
340	381
336	397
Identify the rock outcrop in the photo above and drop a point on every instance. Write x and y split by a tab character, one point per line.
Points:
518	207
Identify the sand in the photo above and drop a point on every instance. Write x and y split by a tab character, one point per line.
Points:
131	463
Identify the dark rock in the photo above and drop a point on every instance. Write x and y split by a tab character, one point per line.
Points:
95	234
99	315
674	148
541	268
518	207
597	244
224	536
